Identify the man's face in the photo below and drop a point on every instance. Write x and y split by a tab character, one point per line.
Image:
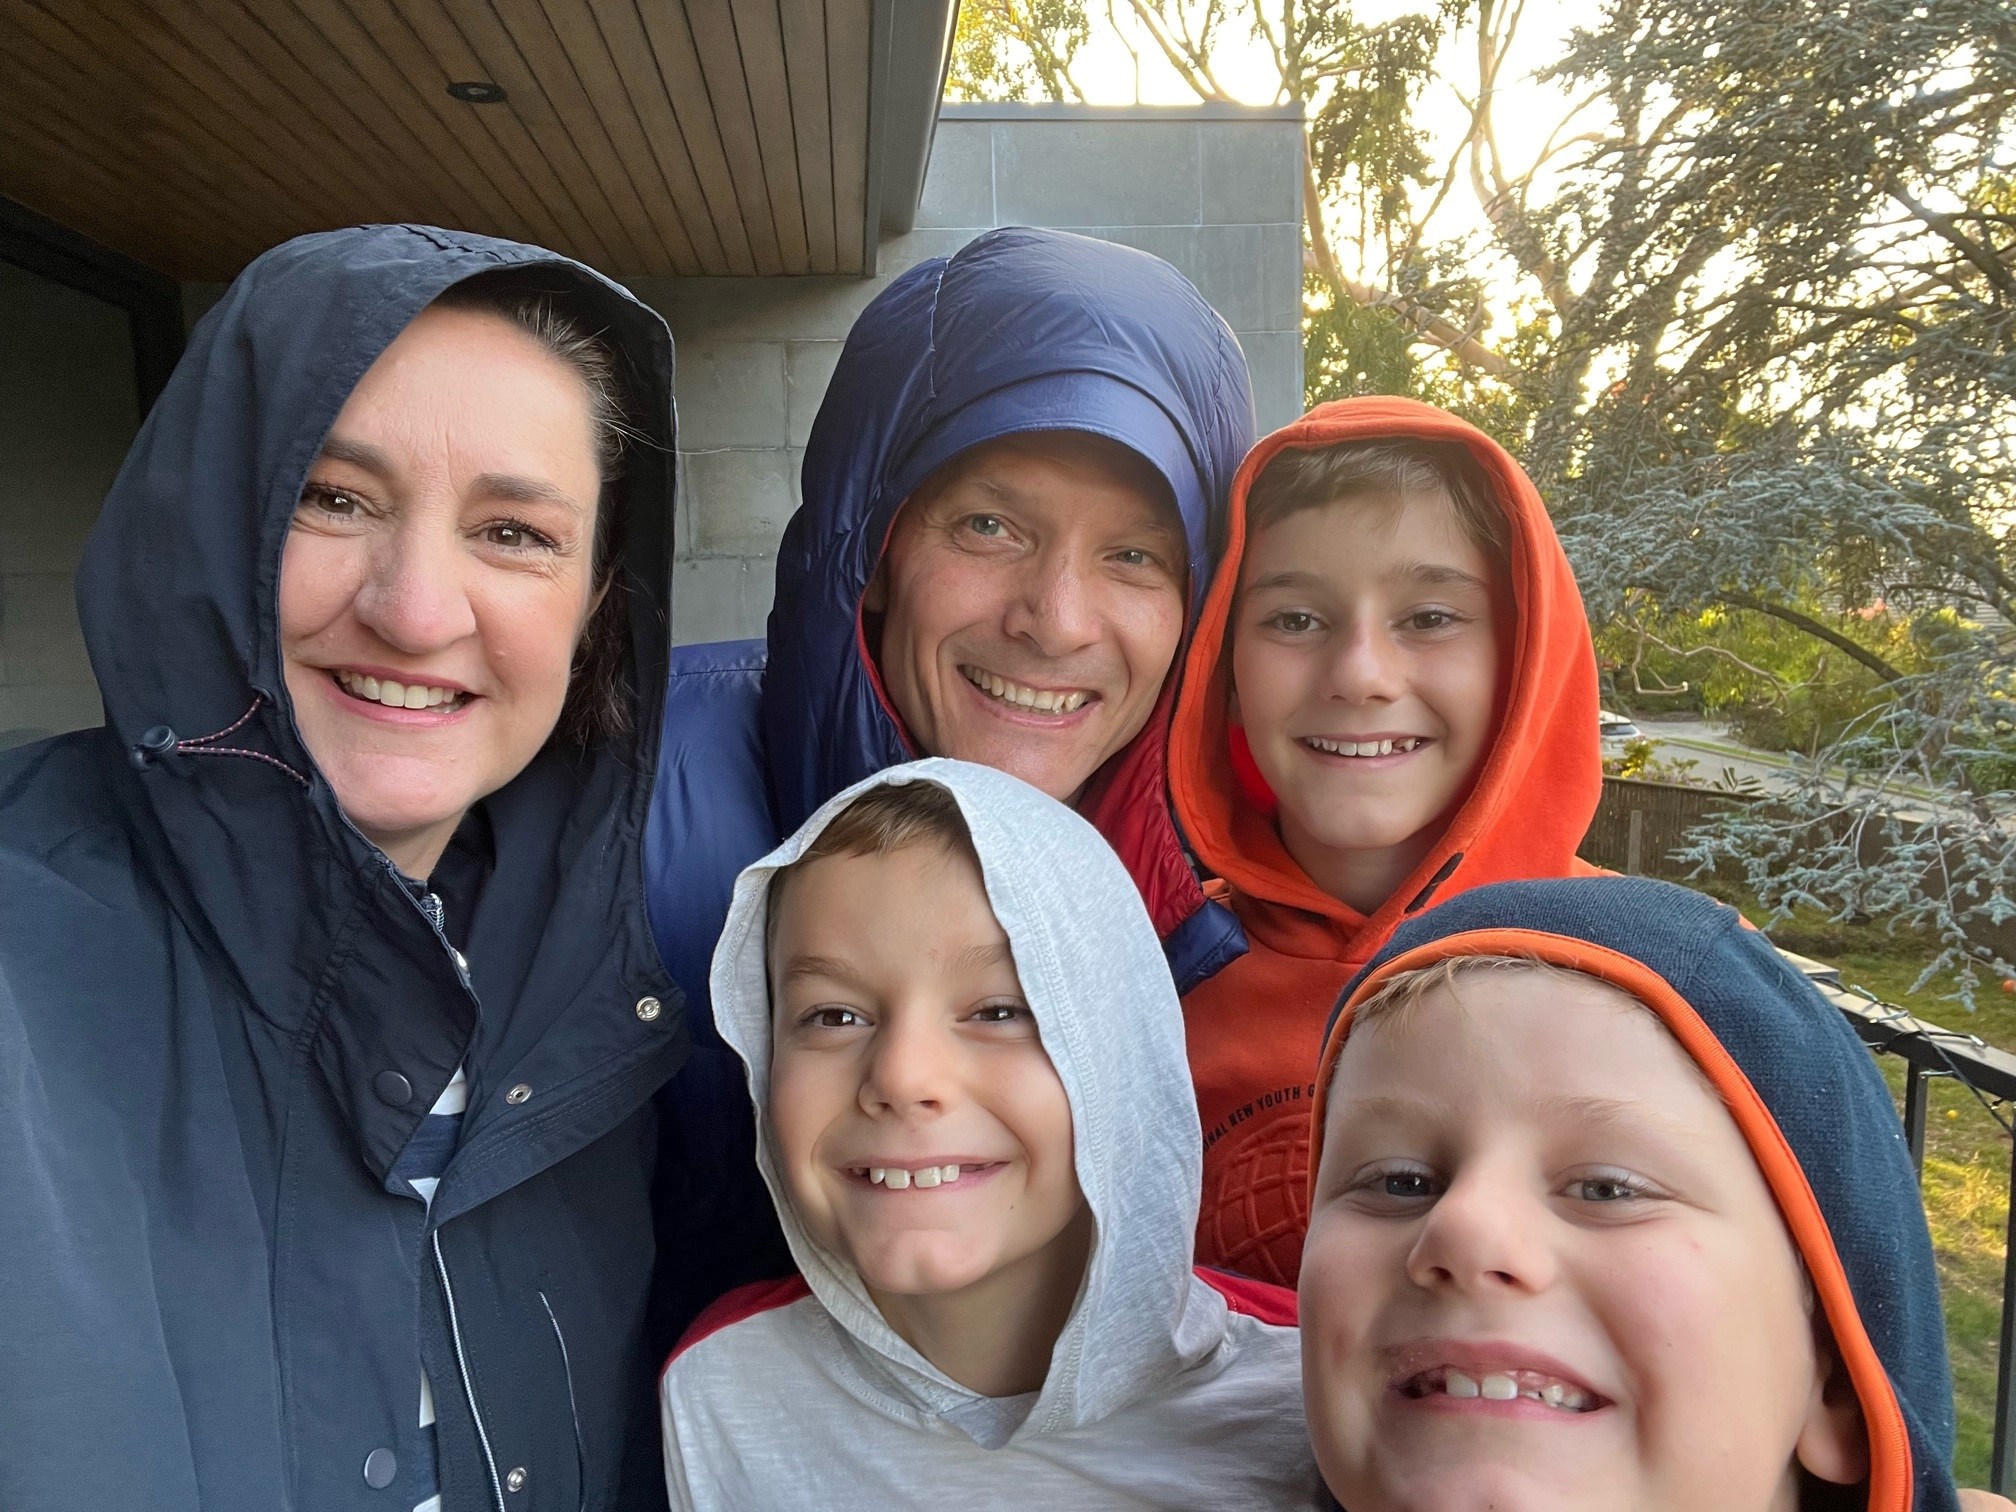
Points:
1544	1273
923	1134
1031	607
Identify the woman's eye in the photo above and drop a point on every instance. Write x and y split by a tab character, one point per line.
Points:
513	535
332	501
1133	556
1293	621
1430	619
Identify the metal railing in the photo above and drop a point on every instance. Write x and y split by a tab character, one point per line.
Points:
1931	1051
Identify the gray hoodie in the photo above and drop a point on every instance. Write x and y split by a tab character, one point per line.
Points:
1168	1387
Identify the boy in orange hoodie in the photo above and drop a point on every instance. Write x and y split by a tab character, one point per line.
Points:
1391	698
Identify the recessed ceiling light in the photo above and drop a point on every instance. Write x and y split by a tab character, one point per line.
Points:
477	92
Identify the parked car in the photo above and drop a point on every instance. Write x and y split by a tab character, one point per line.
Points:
1614	730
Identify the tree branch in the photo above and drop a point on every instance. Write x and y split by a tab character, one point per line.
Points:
1199	79
1501	201
1815	628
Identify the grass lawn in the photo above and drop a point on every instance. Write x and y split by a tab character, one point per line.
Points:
1966	1181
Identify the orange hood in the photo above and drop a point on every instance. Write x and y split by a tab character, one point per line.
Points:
1542	775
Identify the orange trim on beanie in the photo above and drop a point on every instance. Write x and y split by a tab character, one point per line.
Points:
1890	1465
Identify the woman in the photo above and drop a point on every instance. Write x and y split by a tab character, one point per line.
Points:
379	623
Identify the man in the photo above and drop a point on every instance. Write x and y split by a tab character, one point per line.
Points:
1011	497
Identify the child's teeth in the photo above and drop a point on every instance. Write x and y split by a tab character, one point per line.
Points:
1554	1393
1457	1384
898	1179
1498	1388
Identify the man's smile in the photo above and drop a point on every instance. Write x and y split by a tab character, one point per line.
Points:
1024	697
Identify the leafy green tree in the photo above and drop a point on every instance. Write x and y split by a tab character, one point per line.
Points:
1017	50
1750	319
1781	278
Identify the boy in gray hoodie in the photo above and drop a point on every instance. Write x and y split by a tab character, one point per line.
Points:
975	1117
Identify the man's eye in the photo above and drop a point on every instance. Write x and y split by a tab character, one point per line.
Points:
987	525
1133	556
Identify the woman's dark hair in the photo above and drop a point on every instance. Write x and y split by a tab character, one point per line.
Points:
598	689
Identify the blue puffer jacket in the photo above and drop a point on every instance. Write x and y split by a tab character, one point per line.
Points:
1021	330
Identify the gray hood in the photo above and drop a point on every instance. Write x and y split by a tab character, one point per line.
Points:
1106	1009
1169	1388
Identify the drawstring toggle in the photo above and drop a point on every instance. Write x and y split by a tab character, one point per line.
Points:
153	744
160	742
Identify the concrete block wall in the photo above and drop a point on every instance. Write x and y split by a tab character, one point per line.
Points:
67	414
1215	190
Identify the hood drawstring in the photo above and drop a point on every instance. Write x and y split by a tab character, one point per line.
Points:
160	742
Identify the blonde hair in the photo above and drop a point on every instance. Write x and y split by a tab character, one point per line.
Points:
1405	989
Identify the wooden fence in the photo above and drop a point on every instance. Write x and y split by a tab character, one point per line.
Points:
1639	825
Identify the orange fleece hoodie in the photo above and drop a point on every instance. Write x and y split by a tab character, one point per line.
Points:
1256	1028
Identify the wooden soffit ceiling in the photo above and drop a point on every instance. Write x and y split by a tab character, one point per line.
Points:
642	136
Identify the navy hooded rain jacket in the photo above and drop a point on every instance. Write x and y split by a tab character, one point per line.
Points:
222	1013
1021	330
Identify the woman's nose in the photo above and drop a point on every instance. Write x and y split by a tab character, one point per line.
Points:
1483	1236
910	1067
1053	607
414	596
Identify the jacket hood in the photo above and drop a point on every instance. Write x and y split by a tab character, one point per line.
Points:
1801	1087
1021	330
1542	775
1108	1017
179	587
178	598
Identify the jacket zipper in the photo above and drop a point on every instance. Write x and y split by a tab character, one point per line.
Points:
437	916
462	1365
